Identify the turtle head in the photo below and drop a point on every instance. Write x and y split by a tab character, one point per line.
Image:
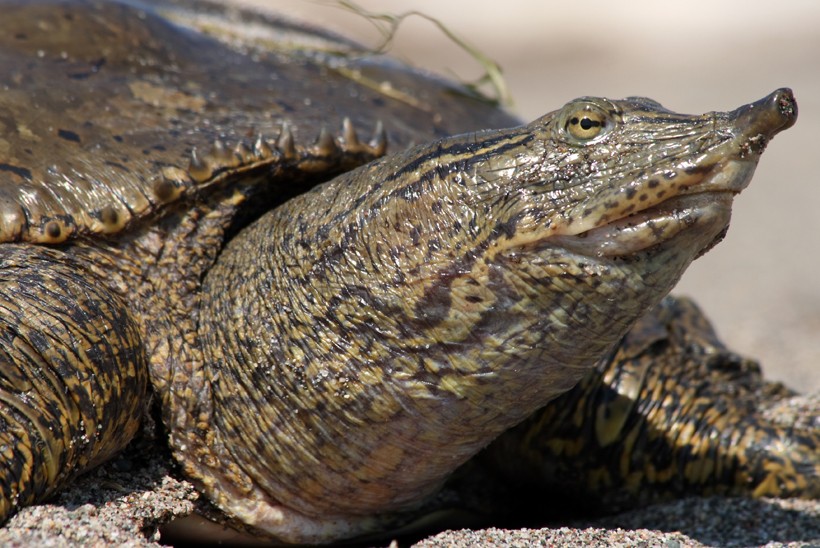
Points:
614	179
601	205
593	212
556	236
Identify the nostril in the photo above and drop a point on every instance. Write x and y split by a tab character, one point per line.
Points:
786	105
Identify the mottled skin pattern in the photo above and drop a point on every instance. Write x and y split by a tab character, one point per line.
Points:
671	412
324	369
52	419
441	295
116	127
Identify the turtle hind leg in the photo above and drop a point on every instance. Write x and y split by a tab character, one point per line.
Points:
73	379
671	413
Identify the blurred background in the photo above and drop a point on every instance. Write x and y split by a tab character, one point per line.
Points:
761	286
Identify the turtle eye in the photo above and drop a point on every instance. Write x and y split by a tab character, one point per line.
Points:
586	120
586	125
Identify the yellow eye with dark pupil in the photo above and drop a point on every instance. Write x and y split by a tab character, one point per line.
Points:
586	125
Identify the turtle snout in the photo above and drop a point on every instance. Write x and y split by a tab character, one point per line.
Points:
786	105
768	116
756	123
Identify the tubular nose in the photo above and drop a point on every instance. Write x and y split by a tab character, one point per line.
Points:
768	116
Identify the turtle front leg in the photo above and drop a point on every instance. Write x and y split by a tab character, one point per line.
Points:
672	413
73	378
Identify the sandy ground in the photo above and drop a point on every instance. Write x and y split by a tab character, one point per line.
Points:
760	286
121	503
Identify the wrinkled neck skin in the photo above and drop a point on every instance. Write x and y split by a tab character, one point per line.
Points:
408	312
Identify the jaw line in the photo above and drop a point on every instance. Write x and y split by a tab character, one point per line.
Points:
699	196
650	227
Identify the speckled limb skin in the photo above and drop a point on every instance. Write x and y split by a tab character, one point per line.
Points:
672	413
322	369
73	377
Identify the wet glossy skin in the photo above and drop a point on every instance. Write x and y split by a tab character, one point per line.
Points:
126	139
322	371
130	98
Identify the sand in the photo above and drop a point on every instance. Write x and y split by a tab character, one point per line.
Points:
125	502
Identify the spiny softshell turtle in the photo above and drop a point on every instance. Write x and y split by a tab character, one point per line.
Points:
323	366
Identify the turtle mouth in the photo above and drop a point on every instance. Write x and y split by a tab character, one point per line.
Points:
652	226
702	204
